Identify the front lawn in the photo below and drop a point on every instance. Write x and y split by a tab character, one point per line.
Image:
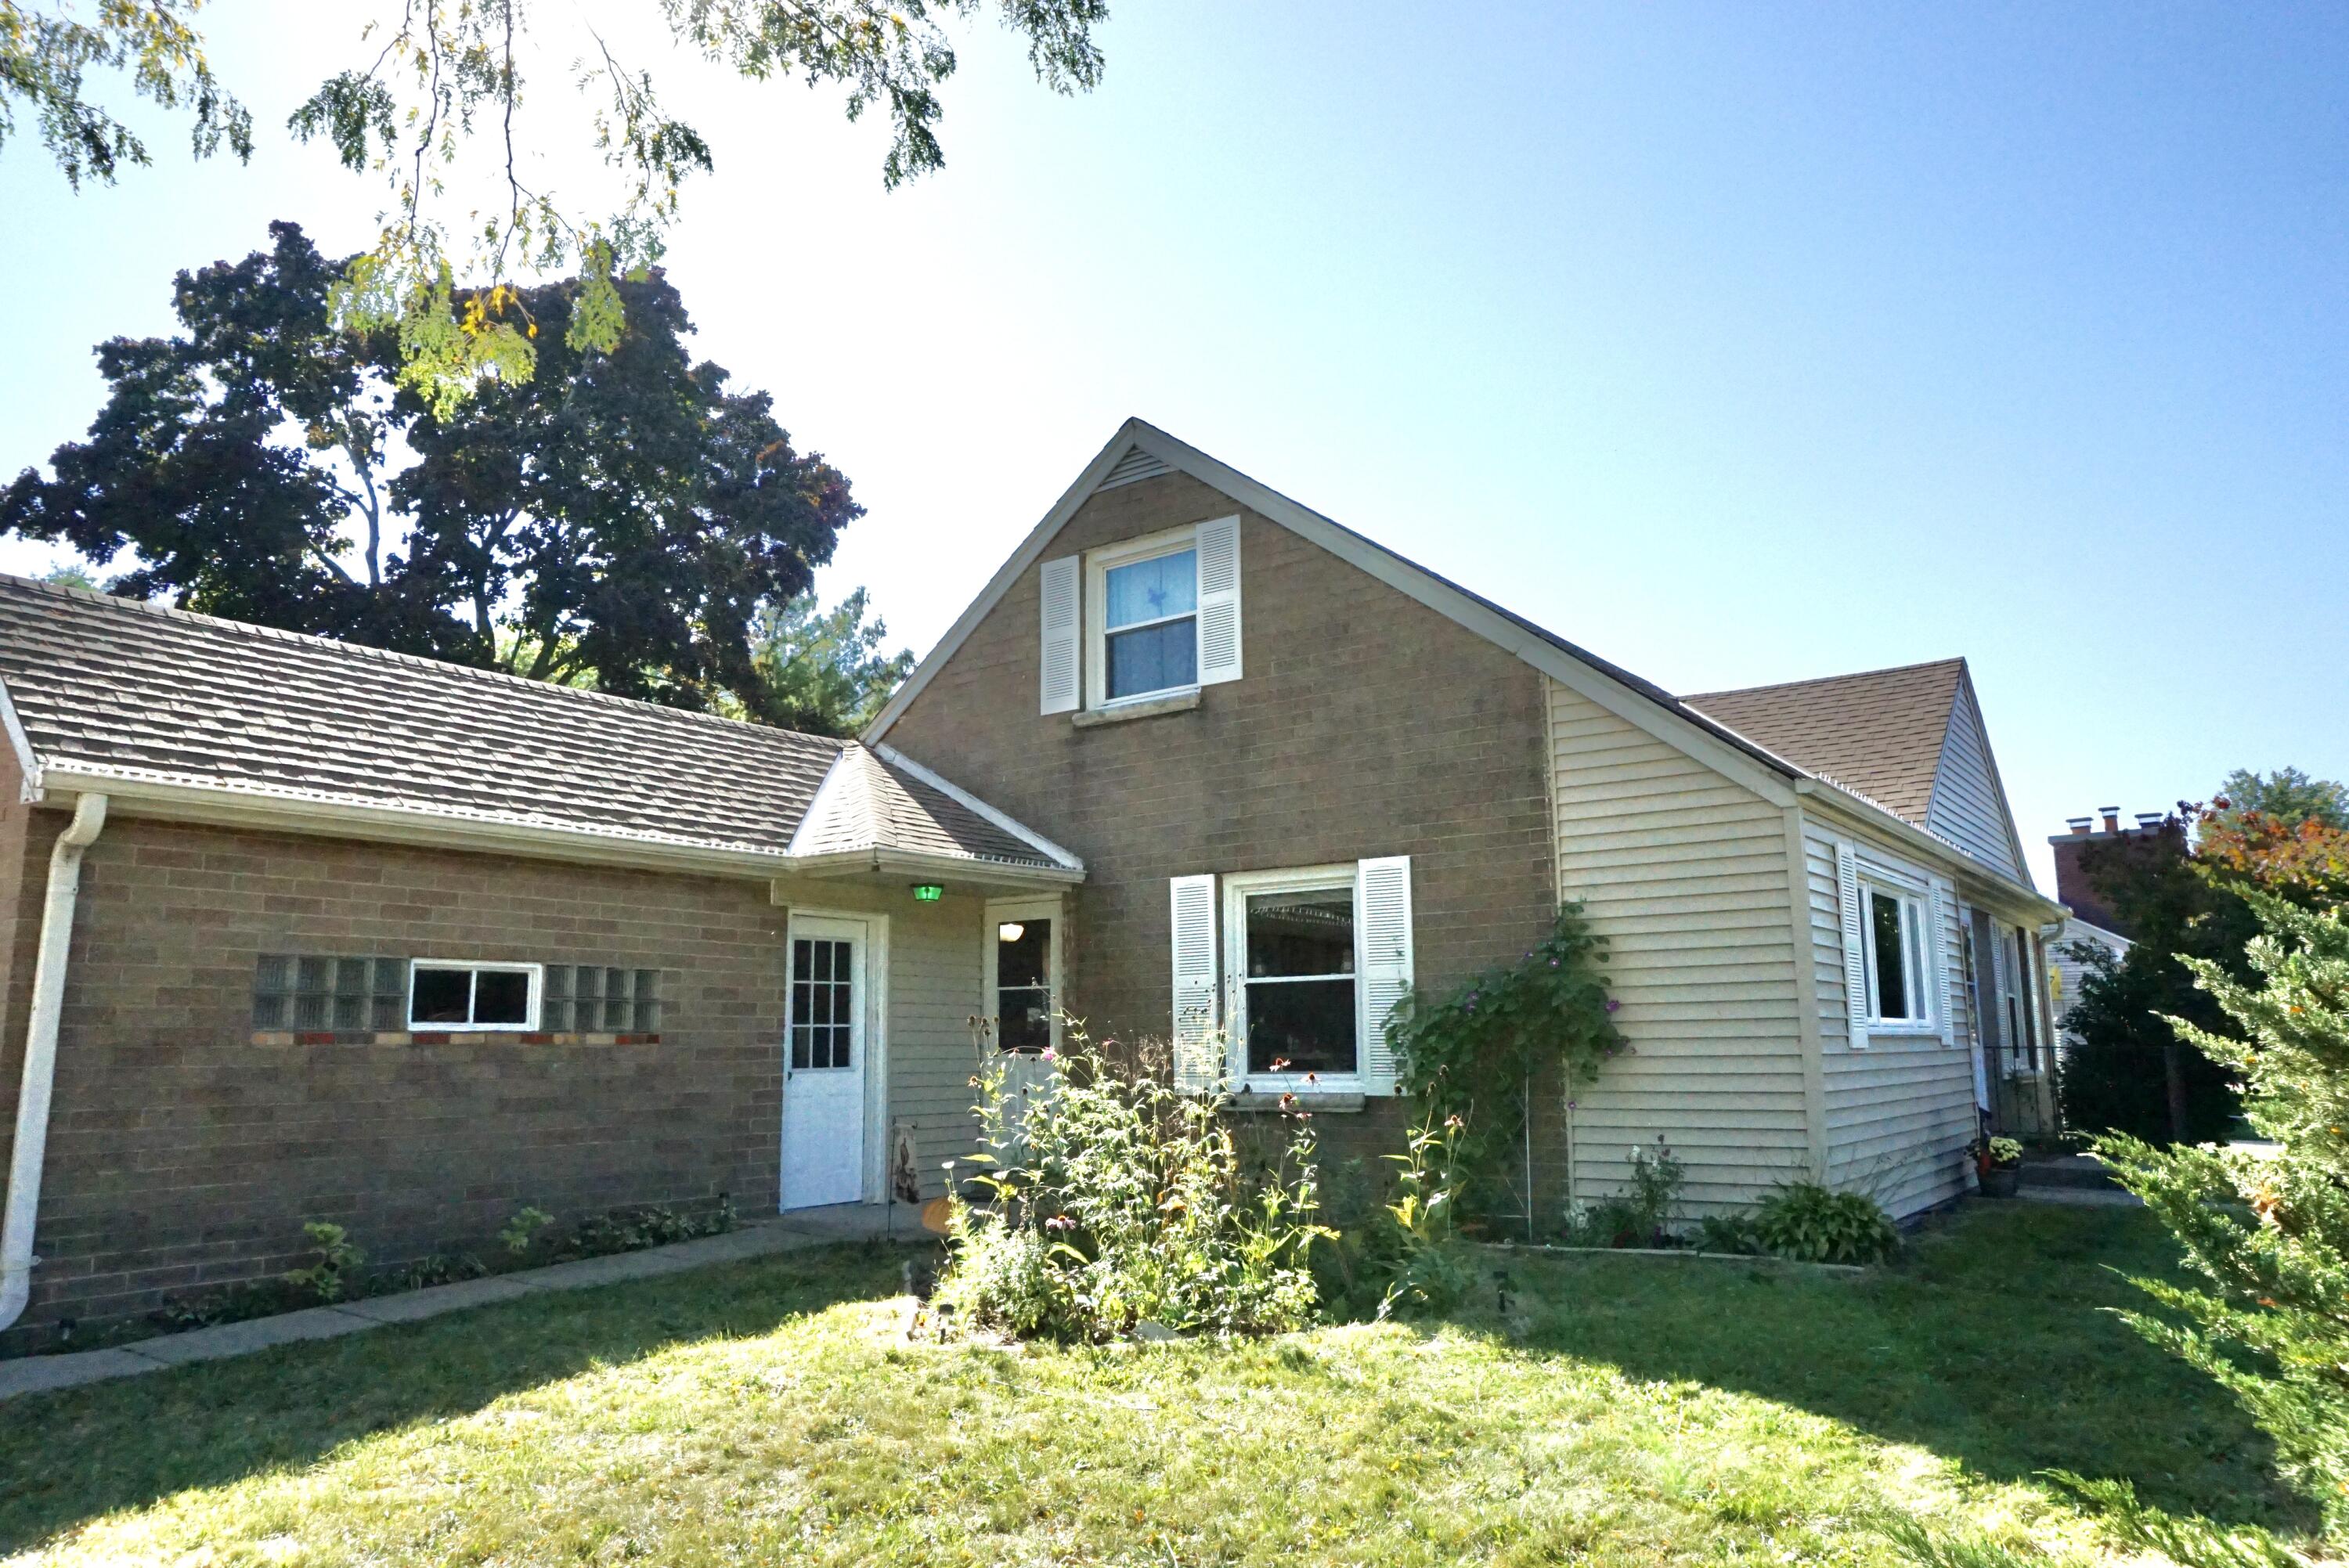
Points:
1628	1410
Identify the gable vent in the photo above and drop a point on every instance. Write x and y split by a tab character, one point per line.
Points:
1136	464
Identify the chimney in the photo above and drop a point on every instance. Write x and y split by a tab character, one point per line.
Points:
2146	821
2112	815
2079	824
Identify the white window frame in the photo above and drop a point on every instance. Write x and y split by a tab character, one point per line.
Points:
1920	949
999	911
537	972
1238	885
1098	565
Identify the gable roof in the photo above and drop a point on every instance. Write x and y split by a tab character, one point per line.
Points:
1140	449
99	688
1878	733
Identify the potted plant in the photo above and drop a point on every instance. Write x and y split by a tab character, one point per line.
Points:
1998	1163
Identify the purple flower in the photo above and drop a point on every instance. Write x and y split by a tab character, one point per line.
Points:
1050	1054
1572	1103
1060	1223
1612	1004
1553	962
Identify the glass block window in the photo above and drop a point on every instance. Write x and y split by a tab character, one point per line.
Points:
596	998
315	993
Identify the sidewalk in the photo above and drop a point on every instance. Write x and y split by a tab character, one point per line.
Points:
795	1232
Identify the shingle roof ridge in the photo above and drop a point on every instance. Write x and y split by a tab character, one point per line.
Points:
1957	660
335	646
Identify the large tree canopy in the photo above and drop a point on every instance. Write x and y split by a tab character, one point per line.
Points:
619	518
434	106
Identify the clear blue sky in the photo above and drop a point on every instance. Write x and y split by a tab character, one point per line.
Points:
1738	343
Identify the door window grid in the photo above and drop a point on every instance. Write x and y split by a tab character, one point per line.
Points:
822	1022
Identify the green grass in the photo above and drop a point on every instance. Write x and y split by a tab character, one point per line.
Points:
1628	1410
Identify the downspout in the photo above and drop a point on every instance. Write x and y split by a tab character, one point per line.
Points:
32	1144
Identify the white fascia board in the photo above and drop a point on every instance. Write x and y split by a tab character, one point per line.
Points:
1025	556
969	869
1980	882
27	764
136	795
948	787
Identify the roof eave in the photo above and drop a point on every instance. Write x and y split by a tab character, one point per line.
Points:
970	870
1812	787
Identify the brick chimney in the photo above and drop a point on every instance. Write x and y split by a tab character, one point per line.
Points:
2073	885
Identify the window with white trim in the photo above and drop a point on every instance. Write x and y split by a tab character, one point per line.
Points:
1296	998
1898	962
1023	965
1157	617
445	996
1150	625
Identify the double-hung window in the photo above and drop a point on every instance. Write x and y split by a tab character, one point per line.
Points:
1893	921
1149	625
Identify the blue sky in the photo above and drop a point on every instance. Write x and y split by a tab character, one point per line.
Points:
1738	343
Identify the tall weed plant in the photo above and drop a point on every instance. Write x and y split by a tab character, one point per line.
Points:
1103	1203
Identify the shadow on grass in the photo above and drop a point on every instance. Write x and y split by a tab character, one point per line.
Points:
1992	1343
76	1454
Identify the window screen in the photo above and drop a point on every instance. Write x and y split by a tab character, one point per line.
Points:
1300	982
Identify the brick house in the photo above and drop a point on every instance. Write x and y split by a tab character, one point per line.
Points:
300	930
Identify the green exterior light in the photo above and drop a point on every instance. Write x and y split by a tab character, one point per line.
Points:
928	892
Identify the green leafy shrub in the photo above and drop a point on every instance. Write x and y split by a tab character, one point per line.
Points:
1426	1265
633	1230
1738	1234
2269	1229
1811	1223
1109	1201
439	1268
330	1278
1643	1214
519	1232
1477	1052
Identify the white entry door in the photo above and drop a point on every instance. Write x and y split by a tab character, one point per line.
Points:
824	1048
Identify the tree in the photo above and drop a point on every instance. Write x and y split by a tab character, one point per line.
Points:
2128	1068
2269	1231
822	671
2286	796
621	516
436	111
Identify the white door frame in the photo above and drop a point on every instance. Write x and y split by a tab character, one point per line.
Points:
875	1179
1051	907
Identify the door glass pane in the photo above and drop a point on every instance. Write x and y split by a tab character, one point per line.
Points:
1155	658
1891	982
822	1027
1023	976
1300	982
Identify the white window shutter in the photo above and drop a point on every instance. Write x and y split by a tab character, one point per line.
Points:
1062	630
1219	601
1938	954
1382	959
1854	949
1198	1055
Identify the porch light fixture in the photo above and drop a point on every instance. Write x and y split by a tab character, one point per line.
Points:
927	892
1010	931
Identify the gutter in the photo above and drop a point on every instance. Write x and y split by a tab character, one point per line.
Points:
31	1146
1814	787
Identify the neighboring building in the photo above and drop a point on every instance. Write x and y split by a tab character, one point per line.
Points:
2092	922
1254	725
301	930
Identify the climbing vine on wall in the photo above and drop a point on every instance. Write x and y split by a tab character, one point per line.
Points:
1480	1050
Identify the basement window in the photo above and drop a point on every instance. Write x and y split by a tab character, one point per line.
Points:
444	996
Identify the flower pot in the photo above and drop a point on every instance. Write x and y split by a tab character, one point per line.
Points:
2000	1181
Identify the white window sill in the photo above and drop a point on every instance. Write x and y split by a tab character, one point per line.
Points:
1898	1030
1321	1101
1182	701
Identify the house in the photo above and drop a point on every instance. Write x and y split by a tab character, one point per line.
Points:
298	930
2093	923
1304	773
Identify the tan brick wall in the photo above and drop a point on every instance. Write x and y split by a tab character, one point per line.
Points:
1366	724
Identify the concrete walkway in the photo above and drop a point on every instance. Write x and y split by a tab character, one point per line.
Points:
794	1231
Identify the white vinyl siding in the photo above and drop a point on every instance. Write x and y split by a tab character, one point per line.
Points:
1967	808
1686	870
1898	1112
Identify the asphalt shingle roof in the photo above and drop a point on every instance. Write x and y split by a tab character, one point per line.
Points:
1879	732
137	690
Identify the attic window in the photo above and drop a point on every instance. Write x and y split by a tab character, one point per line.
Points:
1150	625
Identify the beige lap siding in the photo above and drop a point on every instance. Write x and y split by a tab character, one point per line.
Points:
1686	870
1898	1113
